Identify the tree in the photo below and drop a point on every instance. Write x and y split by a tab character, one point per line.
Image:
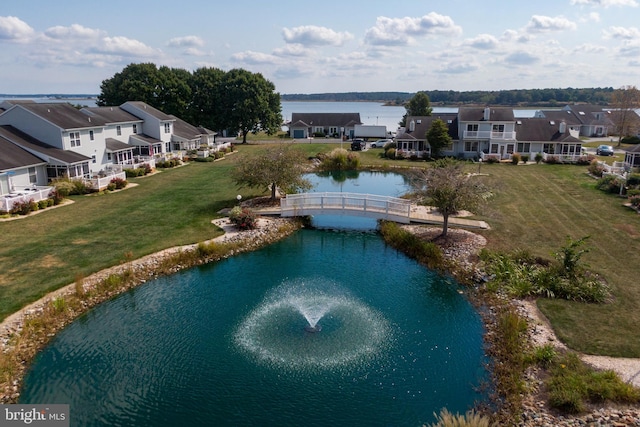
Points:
136	82
446	187
206	87
418	105
280	166
438	137
250	103
625	101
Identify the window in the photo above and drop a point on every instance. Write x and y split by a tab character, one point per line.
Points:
75	139
524	147
472	127
471	146
167	128
109	156
118	130
93	158
135	128
33	176
91	135
498	128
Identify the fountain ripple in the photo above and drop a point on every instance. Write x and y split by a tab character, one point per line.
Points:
284	330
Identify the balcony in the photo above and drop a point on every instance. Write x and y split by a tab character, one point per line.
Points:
490	135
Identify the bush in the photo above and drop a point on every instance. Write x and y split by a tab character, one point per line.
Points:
470	419
609	184
595	168
515	158
525	158
630	140
491	160
390	153
340	159
552	160
635	201
633	180
243	218
43	204
538	157
63	187
119	183
111	186
22	208
585	160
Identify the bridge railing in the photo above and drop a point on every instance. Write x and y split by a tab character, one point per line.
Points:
361	204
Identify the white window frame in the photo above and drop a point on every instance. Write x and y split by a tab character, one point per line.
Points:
167	128
74	138
118	130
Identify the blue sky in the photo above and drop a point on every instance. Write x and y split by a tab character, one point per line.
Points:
69	46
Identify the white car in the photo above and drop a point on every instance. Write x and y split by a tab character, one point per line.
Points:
380	143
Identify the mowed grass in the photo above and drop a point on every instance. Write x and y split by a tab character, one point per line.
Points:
46	251
535	207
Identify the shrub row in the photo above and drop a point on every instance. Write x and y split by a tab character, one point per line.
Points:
145	169
28	206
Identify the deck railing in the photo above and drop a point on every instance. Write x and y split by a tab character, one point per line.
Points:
8	201
369	205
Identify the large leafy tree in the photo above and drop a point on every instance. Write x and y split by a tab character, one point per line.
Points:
448	188
206	108
280	166
418	105
438	137
136	82
625	101
236	100
250	103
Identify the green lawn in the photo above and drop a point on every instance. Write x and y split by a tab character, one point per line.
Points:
535	207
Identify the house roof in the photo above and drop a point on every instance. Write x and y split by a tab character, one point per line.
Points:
143	106
16	157
113	145
62	115
141	139
423	123
35	146
541	129
111	115
327	119
568	116
634	149
476	114
589	114
185	130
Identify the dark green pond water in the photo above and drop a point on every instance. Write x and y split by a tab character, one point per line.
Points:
226	345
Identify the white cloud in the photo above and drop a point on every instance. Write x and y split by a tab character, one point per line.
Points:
401	31
590	48
75	31
623	33
15	29
124	46
521	58
459	67
251	57
292	50
483	41
542	24
187	41
605	3
311	35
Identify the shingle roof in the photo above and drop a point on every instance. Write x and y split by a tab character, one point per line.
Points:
568	116
150	110
63	115
327	119
14	157
476	114
111	115
423	123
142	139
185	130
539	129
113	145
33	145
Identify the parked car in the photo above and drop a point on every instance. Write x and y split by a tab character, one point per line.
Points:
357	145
604	150
380	143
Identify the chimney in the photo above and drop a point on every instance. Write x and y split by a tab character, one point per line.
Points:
487	113
412	126
563	127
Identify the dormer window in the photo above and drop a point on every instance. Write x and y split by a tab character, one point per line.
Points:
135	128
167	128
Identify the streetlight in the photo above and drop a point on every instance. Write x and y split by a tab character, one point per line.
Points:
238	198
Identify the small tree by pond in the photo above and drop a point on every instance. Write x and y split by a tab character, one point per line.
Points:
448	188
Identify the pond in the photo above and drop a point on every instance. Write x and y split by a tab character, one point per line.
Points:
322	328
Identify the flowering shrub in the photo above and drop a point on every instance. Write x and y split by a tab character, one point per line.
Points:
243	218
119	183
635	201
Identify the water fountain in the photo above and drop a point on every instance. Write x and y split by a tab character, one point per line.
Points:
284	329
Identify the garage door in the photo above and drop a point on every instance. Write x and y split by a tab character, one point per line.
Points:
298	133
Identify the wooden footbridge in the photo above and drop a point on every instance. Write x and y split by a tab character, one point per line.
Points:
367	205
